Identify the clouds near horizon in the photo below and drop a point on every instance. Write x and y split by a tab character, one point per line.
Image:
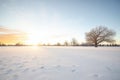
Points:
11	36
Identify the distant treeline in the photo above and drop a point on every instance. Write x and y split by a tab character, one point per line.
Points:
73	43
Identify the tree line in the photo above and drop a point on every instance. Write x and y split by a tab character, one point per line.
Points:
95	37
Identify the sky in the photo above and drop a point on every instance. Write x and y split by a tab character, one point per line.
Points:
51	21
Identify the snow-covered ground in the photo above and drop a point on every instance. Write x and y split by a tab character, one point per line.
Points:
59	63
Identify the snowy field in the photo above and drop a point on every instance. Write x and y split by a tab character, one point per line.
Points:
59	63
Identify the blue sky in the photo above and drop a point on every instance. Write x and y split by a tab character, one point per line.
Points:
59	20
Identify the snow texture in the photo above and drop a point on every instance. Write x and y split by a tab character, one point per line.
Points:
59	63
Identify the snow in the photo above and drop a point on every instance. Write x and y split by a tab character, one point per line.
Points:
59	63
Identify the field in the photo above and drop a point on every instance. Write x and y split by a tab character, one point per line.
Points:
59	63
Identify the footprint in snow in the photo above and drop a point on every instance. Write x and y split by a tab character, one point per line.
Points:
9	71
73	70
1	62
15	77
73	65
108	68
58	66
20	66
2	68
95	75
33	70
25	69
42	67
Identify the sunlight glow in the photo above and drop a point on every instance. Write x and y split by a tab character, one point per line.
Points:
33	39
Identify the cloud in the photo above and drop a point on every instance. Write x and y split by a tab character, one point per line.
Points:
11	36
9	31
4	29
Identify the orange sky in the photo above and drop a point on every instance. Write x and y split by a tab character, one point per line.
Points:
10	36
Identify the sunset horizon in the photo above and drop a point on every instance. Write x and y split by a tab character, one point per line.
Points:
49	22
59	39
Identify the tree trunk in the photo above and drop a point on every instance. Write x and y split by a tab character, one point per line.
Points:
96	45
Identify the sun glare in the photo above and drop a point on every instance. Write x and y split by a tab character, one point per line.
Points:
33	39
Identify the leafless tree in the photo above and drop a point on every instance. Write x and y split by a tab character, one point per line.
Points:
74	42
58	44
100	34
66	43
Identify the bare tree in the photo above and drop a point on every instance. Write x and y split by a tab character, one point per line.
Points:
74	42
19	44
100	34
58	44
66	43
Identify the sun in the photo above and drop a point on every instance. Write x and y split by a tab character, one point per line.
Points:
33	39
